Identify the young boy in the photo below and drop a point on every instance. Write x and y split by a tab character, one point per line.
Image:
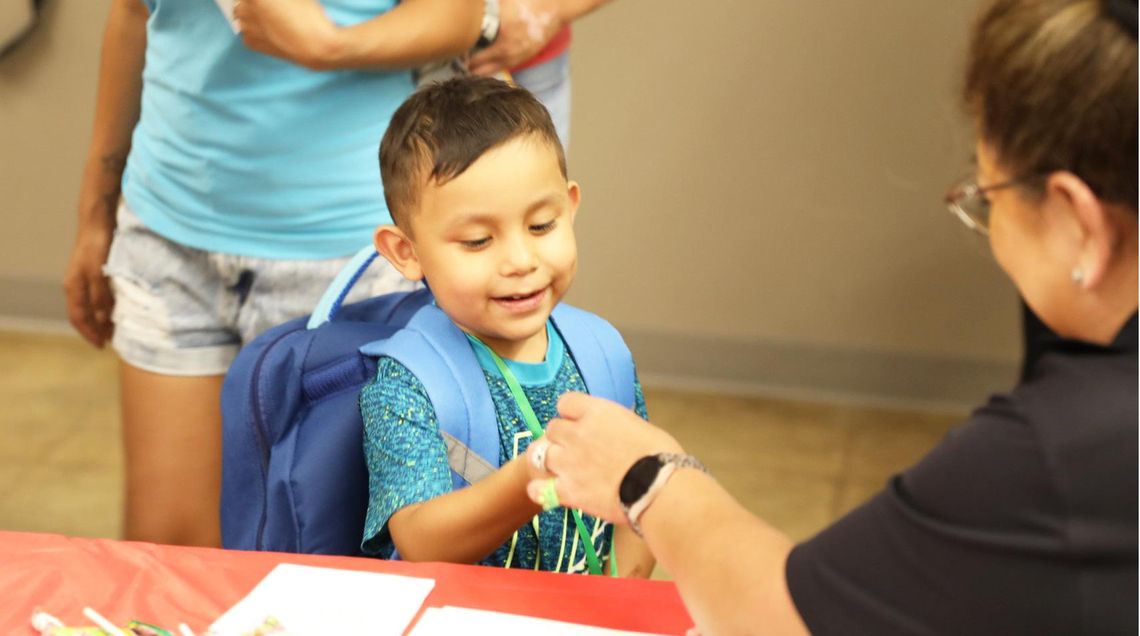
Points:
475	178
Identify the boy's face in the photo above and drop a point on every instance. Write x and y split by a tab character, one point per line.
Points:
496	245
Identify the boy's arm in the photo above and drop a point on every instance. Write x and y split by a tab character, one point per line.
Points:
412	33
465	525
633	557
410	490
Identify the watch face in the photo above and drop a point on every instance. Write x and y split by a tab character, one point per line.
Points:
638	479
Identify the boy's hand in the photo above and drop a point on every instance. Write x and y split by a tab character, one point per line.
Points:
525	28
293	30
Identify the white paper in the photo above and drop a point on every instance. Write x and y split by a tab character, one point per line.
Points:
313	601
227	7
447	621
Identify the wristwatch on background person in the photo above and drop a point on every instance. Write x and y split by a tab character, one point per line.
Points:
443	70
646	478
490	29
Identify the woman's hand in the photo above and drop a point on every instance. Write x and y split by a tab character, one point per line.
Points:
293	30
588	451
525	28
88	292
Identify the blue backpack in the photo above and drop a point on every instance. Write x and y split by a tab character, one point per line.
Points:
294	477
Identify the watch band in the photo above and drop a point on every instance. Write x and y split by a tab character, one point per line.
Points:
489	30
667	464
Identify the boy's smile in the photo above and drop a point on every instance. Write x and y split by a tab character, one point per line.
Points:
523	303
495	245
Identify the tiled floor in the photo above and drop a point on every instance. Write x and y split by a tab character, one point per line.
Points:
798	465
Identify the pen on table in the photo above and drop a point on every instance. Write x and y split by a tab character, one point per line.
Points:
103	623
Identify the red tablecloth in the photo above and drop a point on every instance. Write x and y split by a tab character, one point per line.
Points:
165	585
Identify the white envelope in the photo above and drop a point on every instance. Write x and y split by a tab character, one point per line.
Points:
448	621
313	601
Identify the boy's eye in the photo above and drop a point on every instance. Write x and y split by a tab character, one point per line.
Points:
476	243
543	228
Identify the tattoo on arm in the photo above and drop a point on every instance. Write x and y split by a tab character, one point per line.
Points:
114	162
111	165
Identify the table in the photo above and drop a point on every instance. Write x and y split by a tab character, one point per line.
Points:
165	585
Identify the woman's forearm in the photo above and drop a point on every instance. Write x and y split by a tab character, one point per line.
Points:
728	565
116	109
573	9
413	33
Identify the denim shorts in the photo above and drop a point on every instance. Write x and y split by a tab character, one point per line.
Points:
185	311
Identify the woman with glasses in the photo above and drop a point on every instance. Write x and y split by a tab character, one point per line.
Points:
1024	520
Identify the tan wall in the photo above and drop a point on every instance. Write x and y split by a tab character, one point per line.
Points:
758	175
47	99
769	174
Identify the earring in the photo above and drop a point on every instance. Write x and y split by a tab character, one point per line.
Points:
1078	275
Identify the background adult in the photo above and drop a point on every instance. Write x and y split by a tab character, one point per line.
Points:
1024	520
248	173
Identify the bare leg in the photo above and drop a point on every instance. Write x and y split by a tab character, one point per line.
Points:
172	435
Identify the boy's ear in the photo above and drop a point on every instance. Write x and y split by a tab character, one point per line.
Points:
397	248
574	191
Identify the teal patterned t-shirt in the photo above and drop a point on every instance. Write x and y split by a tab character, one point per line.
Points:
407	457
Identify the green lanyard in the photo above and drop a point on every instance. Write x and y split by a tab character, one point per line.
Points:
536	432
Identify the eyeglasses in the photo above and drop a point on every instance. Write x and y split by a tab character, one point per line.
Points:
967	200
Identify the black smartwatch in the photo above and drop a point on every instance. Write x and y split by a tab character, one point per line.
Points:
645	479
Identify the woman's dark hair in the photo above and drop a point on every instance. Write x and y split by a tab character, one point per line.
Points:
1051	85
444	128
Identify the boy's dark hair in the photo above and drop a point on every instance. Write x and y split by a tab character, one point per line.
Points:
1051	85
444	128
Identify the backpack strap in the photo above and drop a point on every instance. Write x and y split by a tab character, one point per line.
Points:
392	310
338	289
439	355
600	353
